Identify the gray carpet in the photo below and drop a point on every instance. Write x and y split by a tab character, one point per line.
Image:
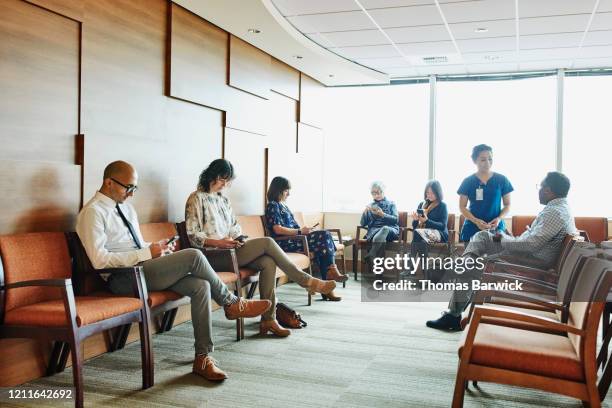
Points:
352	354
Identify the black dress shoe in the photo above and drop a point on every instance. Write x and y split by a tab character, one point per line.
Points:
447	322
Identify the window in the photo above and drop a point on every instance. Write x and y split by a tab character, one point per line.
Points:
376	133
587	146
516	118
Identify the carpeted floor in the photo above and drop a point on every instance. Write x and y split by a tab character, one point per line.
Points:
352	354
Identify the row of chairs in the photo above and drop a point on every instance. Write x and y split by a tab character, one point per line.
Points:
593	229
50	291
545	338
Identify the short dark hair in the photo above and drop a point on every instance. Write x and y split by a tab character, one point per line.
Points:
277	186
479	149
219	168
558	183
436	187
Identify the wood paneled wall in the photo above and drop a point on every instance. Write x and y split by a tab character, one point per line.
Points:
148	82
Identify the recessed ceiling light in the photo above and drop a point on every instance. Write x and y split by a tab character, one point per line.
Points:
298	57
492	57
481	29
331	75
254	31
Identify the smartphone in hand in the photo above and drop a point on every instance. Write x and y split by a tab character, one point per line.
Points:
241	238
172	240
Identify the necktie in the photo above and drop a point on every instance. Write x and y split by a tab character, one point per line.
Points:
129	226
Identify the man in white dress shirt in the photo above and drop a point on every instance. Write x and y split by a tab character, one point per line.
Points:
108	228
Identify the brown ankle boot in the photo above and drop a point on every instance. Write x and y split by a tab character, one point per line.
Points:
331	296
272	326
246	308
206	366
334	274
315	285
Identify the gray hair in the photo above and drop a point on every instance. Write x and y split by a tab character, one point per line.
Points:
378	185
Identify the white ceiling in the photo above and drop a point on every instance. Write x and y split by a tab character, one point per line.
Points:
393	36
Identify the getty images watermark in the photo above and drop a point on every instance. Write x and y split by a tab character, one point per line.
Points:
421	278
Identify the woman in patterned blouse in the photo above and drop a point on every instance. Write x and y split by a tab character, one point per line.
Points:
280	222
211	223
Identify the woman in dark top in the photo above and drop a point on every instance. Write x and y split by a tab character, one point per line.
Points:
485	191
430	221
280	222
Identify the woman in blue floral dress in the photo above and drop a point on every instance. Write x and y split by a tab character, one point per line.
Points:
281	222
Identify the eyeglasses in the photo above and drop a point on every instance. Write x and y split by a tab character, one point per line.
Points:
130	188
375	192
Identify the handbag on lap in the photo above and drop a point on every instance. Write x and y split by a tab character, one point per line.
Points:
288	317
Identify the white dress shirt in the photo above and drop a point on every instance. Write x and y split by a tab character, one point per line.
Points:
106	238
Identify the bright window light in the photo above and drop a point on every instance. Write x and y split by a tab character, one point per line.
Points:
587	144
376	133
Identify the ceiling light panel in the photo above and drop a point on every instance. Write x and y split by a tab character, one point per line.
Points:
322	23
376	51
478	10
432	48
297	7
418	34
406	16
353	38
487	44
499	28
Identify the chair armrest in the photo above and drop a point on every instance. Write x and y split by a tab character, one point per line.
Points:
358	233
38	282
301	238
124	269
502	294
337	231
546	287
525	271
403	233
498	313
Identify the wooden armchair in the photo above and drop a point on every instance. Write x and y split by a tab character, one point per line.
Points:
493	351
37	301
551	302
300	218
226	266
361	243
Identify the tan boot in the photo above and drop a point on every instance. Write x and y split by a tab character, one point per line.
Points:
331	296
315	285
206	366
334	274
272	326
246	308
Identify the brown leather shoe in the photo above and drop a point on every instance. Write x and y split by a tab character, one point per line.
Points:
315	285
266	326
246	308
206	366
331	296
334	274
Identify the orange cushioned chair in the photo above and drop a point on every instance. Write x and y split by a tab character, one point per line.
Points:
225	264
37	301
593	229
564	364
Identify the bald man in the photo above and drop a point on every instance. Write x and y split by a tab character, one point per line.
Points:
108	228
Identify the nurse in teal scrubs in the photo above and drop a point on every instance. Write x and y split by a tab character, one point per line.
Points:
486	192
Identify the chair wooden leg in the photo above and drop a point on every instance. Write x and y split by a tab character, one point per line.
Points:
164	321
77	372
146	351
61	366
355	261
459	390
605	380
171	318
54	358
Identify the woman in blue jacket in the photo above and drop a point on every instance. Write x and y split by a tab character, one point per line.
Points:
381	219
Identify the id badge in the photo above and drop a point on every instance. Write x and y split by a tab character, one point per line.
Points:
479	194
